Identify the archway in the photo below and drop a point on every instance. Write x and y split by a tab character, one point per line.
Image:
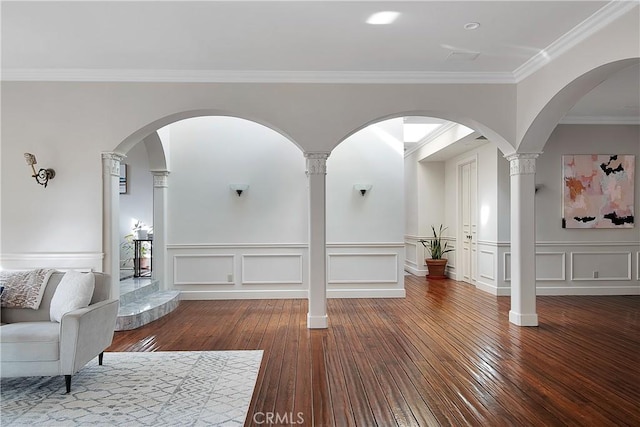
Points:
432	181
523	167
160	168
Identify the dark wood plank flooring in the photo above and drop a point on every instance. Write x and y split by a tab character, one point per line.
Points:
446	355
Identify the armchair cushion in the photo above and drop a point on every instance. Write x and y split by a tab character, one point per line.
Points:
74	291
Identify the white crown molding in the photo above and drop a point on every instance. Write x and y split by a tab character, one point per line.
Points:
222	76
600	120
600	19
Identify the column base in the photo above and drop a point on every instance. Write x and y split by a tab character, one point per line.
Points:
523	319
317	322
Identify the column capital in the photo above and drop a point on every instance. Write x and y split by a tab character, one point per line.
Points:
160	178
112	155
316	163
522	163
111	162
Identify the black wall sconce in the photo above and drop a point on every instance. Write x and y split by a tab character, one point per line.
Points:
238	188
43	175
362	188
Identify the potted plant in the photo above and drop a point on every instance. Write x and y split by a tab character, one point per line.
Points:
437	248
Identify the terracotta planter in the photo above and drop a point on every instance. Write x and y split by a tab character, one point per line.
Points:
436	268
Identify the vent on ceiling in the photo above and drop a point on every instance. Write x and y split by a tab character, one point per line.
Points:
481	138
458	55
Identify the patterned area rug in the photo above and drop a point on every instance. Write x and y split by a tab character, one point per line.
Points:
208	388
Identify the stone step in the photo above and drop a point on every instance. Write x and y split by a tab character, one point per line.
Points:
146	309
135	289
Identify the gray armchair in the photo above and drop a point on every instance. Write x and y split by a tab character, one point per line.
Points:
32	345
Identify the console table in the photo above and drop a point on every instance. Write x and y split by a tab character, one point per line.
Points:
137	258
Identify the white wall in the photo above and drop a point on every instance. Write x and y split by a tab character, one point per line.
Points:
221	245
365	250
567	258
210	153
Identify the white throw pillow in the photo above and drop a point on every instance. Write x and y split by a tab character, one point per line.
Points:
74	291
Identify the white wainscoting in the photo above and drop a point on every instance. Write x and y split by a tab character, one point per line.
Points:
239	271
365	270
203	269
63	261
490	263
272	269
600	266
258	271
562	268
583	268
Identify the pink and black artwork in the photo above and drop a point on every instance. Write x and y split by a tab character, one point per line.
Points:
598	191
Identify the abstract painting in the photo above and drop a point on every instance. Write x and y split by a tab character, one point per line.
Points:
598	191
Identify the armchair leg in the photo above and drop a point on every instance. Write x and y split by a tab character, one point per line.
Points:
100	356
67	380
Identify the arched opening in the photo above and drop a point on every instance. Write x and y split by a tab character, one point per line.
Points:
212	240
593	118
433	191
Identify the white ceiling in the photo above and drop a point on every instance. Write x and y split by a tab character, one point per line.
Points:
303	41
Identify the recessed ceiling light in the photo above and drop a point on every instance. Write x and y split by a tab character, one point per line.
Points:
471	26
383	18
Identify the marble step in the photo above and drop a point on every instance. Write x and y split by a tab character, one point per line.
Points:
135	289
146	309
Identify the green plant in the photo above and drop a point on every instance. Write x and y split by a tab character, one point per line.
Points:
435	244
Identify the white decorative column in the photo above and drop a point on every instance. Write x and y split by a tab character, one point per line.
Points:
159	252
316	172
523	239
111	218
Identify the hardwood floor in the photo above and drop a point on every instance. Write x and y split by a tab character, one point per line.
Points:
444	355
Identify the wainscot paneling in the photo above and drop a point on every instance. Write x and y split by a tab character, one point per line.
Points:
63	261
584	268
239	271
600	266
550	266
362	268
365	270
203	269
486	264
269	269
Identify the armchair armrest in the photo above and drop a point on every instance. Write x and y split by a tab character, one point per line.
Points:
85	333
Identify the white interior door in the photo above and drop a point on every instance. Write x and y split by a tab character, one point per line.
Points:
467	239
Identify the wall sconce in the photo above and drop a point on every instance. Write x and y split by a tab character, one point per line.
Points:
43	175
238	188
362	188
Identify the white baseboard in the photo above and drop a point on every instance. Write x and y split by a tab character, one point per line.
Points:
520	319
317	322
366	293
564	291
589	290
246	294
414	270
491	289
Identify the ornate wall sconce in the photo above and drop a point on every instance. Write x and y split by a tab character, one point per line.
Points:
238	188
362	188
43	175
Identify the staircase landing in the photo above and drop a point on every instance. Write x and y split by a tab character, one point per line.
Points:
142	302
